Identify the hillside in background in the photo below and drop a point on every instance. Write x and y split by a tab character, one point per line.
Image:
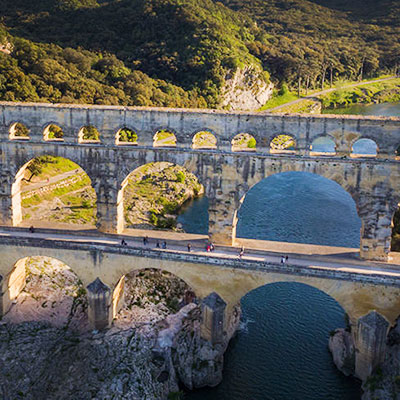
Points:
180	53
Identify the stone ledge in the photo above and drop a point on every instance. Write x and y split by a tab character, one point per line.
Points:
200	111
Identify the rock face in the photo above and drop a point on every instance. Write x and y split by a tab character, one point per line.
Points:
246	90
144	364
384	383
342	348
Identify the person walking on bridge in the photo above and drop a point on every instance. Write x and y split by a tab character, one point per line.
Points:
189	247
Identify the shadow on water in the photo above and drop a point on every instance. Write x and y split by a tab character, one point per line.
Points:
281	352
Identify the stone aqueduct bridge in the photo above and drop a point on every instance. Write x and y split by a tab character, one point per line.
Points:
220	281
374	183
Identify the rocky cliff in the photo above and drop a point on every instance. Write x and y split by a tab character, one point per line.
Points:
245	89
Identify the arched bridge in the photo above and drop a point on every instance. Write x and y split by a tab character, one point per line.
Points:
221	280
226	170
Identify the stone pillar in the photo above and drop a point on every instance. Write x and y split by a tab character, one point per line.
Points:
213	318
376	213
221	214
99	300
370	341
107	203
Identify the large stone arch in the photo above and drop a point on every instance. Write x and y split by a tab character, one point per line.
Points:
19	169
243	191
375	193
190	164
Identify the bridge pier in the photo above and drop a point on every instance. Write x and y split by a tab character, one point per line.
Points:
213	318
370	342
99	305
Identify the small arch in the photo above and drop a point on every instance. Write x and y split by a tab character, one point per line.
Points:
164	138
41	288
89	134
323	145
204	140
18	131
364	148
244	142
126	136
283	144
53	133
149	294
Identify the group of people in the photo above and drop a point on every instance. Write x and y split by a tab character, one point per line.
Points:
284	259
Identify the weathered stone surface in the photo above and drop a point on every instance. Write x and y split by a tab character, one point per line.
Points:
370	340
341	345
384	383
227	176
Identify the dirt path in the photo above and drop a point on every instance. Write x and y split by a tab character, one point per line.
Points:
54	179
314	95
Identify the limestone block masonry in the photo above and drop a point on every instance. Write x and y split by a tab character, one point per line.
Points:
374	183
371	301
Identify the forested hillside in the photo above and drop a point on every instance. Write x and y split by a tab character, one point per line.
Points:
179	52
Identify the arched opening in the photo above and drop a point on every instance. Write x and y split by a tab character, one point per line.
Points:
89	134
281	348
364	148
149	296
204	140
164	138
283	144
53	133
152	196
18	131
53	192
244	142
323	145
299	207
45	289
126	136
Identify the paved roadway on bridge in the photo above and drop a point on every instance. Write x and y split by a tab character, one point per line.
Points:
338	263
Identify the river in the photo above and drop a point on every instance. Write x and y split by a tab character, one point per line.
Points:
281	351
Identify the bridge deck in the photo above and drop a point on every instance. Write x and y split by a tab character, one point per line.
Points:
344	267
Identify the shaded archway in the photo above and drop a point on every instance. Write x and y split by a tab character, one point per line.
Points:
244	142
204	140
43	288
364	148
53	133
89	134
299	207
126	136
152	195
285	329
323	145
53	192
283	144
164	138
18	131
148	296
